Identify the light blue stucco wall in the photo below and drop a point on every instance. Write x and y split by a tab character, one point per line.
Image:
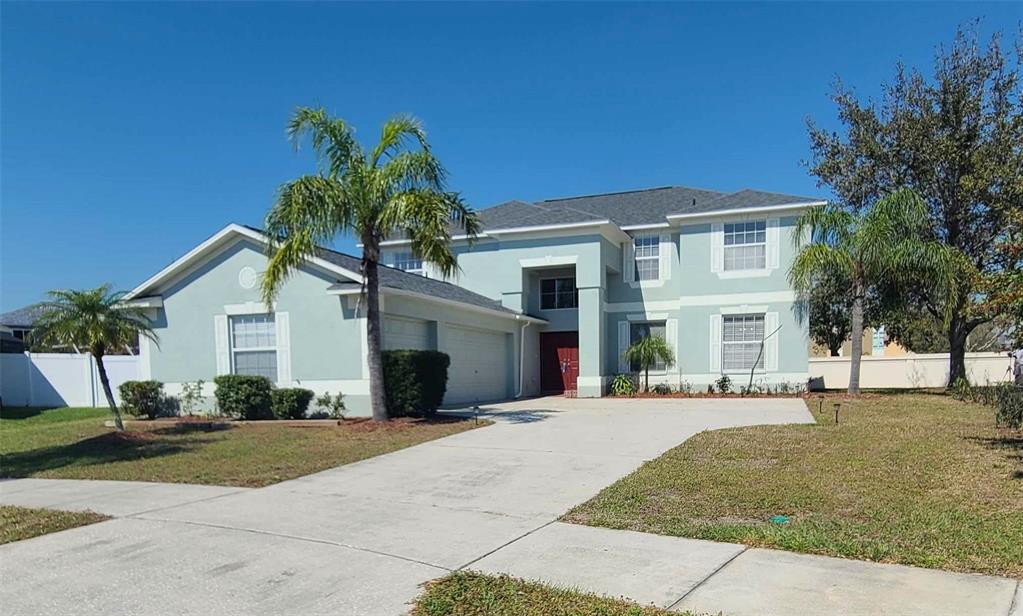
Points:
325	345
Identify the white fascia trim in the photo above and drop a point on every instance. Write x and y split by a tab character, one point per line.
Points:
196	254
739	274
403	242
651	226
536	228
744	309
471	308
646	284
337	289
747	210
548	261
647	316
154	301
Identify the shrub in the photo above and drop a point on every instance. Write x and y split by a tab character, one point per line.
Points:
724	384
244	397
141	398
414	381
1006	398
190	397
332	406
290	402
622	385
662	389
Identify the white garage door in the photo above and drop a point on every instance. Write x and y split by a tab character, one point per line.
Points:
402	333
479	365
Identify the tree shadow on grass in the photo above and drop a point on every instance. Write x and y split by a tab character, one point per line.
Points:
103	449
1011	445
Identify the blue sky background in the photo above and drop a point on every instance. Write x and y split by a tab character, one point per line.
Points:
131	132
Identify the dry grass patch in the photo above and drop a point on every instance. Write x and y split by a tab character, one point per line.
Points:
473	594
74	444
918	479
17	523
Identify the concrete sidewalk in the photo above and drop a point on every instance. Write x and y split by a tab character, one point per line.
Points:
362	538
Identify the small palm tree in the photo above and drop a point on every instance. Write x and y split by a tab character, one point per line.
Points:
886	246
397	187
93	320
646	352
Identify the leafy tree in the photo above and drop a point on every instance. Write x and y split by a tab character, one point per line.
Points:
646	352
953	138
877	246
397	187
96	321
829	311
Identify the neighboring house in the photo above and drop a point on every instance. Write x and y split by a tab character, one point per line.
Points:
547	300
17	323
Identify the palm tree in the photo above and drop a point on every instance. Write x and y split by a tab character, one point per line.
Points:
397	187
887	245
96	321
646	352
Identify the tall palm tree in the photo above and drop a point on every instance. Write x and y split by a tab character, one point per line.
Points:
96	321
646	352
888	245
397	187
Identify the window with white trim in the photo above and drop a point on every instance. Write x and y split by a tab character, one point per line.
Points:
638	331
746	245
647	255
254	345
557	293
408	262
741	338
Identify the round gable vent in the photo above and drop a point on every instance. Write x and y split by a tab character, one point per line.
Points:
247	277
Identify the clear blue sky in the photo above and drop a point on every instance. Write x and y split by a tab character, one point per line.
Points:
131	132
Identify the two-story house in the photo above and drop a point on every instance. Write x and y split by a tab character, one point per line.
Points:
546	300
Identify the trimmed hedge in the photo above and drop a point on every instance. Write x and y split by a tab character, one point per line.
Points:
244	397
1006	398
140	398
414	381
290	402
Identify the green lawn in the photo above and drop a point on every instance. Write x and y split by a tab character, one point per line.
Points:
71	443
472	594
915	479
17	523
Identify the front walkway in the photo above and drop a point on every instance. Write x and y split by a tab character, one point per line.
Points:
362	538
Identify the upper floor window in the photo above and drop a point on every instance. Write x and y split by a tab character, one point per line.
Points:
745	245
408	262
558	293
254	345
647	254
638	331
741	339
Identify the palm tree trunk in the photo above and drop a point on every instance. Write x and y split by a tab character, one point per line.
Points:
857	341
105	382
377	399
646	379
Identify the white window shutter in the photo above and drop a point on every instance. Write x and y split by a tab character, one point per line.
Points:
715	343
771	344
220	336
671	337
283	348
717	247
773	244
628	262
664	257
623	345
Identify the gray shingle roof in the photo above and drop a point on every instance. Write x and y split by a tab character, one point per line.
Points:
394	278
22	318
635	207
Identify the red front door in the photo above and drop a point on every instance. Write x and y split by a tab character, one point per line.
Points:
559	361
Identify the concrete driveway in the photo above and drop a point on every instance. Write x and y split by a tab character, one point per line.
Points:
357	539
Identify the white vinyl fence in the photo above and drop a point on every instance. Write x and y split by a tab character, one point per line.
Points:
909	371
61	379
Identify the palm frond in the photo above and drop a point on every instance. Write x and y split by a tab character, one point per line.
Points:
818	259
829	224
397	134
332	139
93	319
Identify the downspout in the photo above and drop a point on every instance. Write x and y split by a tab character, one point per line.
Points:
522	358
